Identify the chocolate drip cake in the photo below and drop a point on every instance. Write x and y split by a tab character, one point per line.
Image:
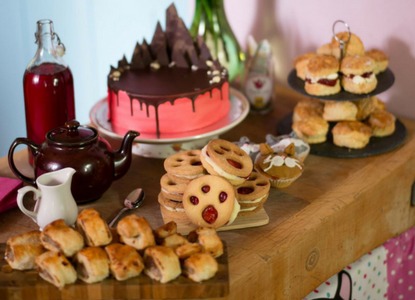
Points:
171	85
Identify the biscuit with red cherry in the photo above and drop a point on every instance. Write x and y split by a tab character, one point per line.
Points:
184	166
209	201
226	159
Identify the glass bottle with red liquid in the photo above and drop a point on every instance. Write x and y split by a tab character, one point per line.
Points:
48	86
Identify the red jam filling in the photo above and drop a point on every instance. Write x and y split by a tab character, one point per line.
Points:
364	75
324	81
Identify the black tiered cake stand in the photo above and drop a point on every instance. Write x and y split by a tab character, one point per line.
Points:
376	145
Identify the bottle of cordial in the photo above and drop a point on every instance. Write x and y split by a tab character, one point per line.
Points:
259	78
48	86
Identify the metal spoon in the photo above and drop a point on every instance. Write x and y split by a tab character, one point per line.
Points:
132	201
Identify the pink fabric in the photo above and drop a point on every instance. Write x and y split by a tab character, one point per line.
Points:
8	193
386	272
401	266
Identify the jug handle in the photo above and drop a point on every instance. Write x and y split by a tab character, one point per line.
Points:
32	147
20	195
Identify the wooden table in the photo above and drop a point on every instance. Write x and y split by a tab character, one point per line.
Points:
337	211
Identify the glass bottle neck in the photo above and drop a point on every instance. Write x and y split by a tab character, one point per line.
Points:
46	51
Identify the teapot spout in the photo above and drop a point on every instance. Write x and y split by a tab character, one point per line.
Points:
122	158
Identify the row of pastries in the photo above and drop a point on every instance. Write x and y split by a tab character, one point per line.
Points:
92	252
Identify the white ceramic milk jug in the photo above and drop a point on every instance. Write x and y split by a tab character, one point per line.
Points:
53	198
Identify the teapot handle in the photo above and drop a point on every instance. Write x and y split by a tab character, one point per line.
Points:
32	147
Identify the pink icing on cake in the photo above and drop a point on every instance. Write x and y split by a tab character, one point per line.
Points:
209	108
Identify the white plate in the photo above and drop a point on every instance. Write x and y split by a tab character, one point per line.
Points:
149	145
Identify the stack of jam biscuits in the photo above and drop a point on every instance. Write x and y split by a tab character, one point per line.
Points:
181	168
326	72
212	186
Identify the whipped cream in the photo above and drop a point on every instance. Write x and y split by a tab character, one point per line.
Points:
180	209
190	177
249	208
357	79
235	212
170	192
332	76
255	200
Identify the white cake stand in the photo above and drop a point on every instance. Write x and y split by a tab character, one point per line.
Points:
148	145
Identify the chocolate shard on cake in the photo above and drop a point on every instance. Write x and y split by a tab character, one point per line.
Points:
204	53
158	46
123	63
175	46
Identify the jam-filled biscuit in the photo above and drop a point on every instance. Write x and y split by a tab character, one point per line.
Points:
226	159
184	166
253	193
209	201
171	188
172	211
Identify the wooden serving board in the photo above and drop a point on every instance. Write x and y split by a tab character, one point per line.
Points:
259	218
16	284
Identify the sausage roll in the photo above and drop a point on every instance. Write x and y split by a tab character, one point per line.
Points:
22	249
200	266
125	261
92	264
186	250
165	230
59	237
161	263
209	239
93	227
136	232
173	241
55	268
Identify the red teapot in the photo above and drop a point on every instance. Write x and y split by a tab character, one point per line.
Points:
81	148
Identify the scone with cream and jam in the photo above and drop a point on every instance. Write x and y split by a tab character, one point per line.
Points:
321	76
358	74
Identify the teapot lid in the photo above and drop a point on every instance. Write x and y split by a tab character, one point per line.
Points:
72	134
